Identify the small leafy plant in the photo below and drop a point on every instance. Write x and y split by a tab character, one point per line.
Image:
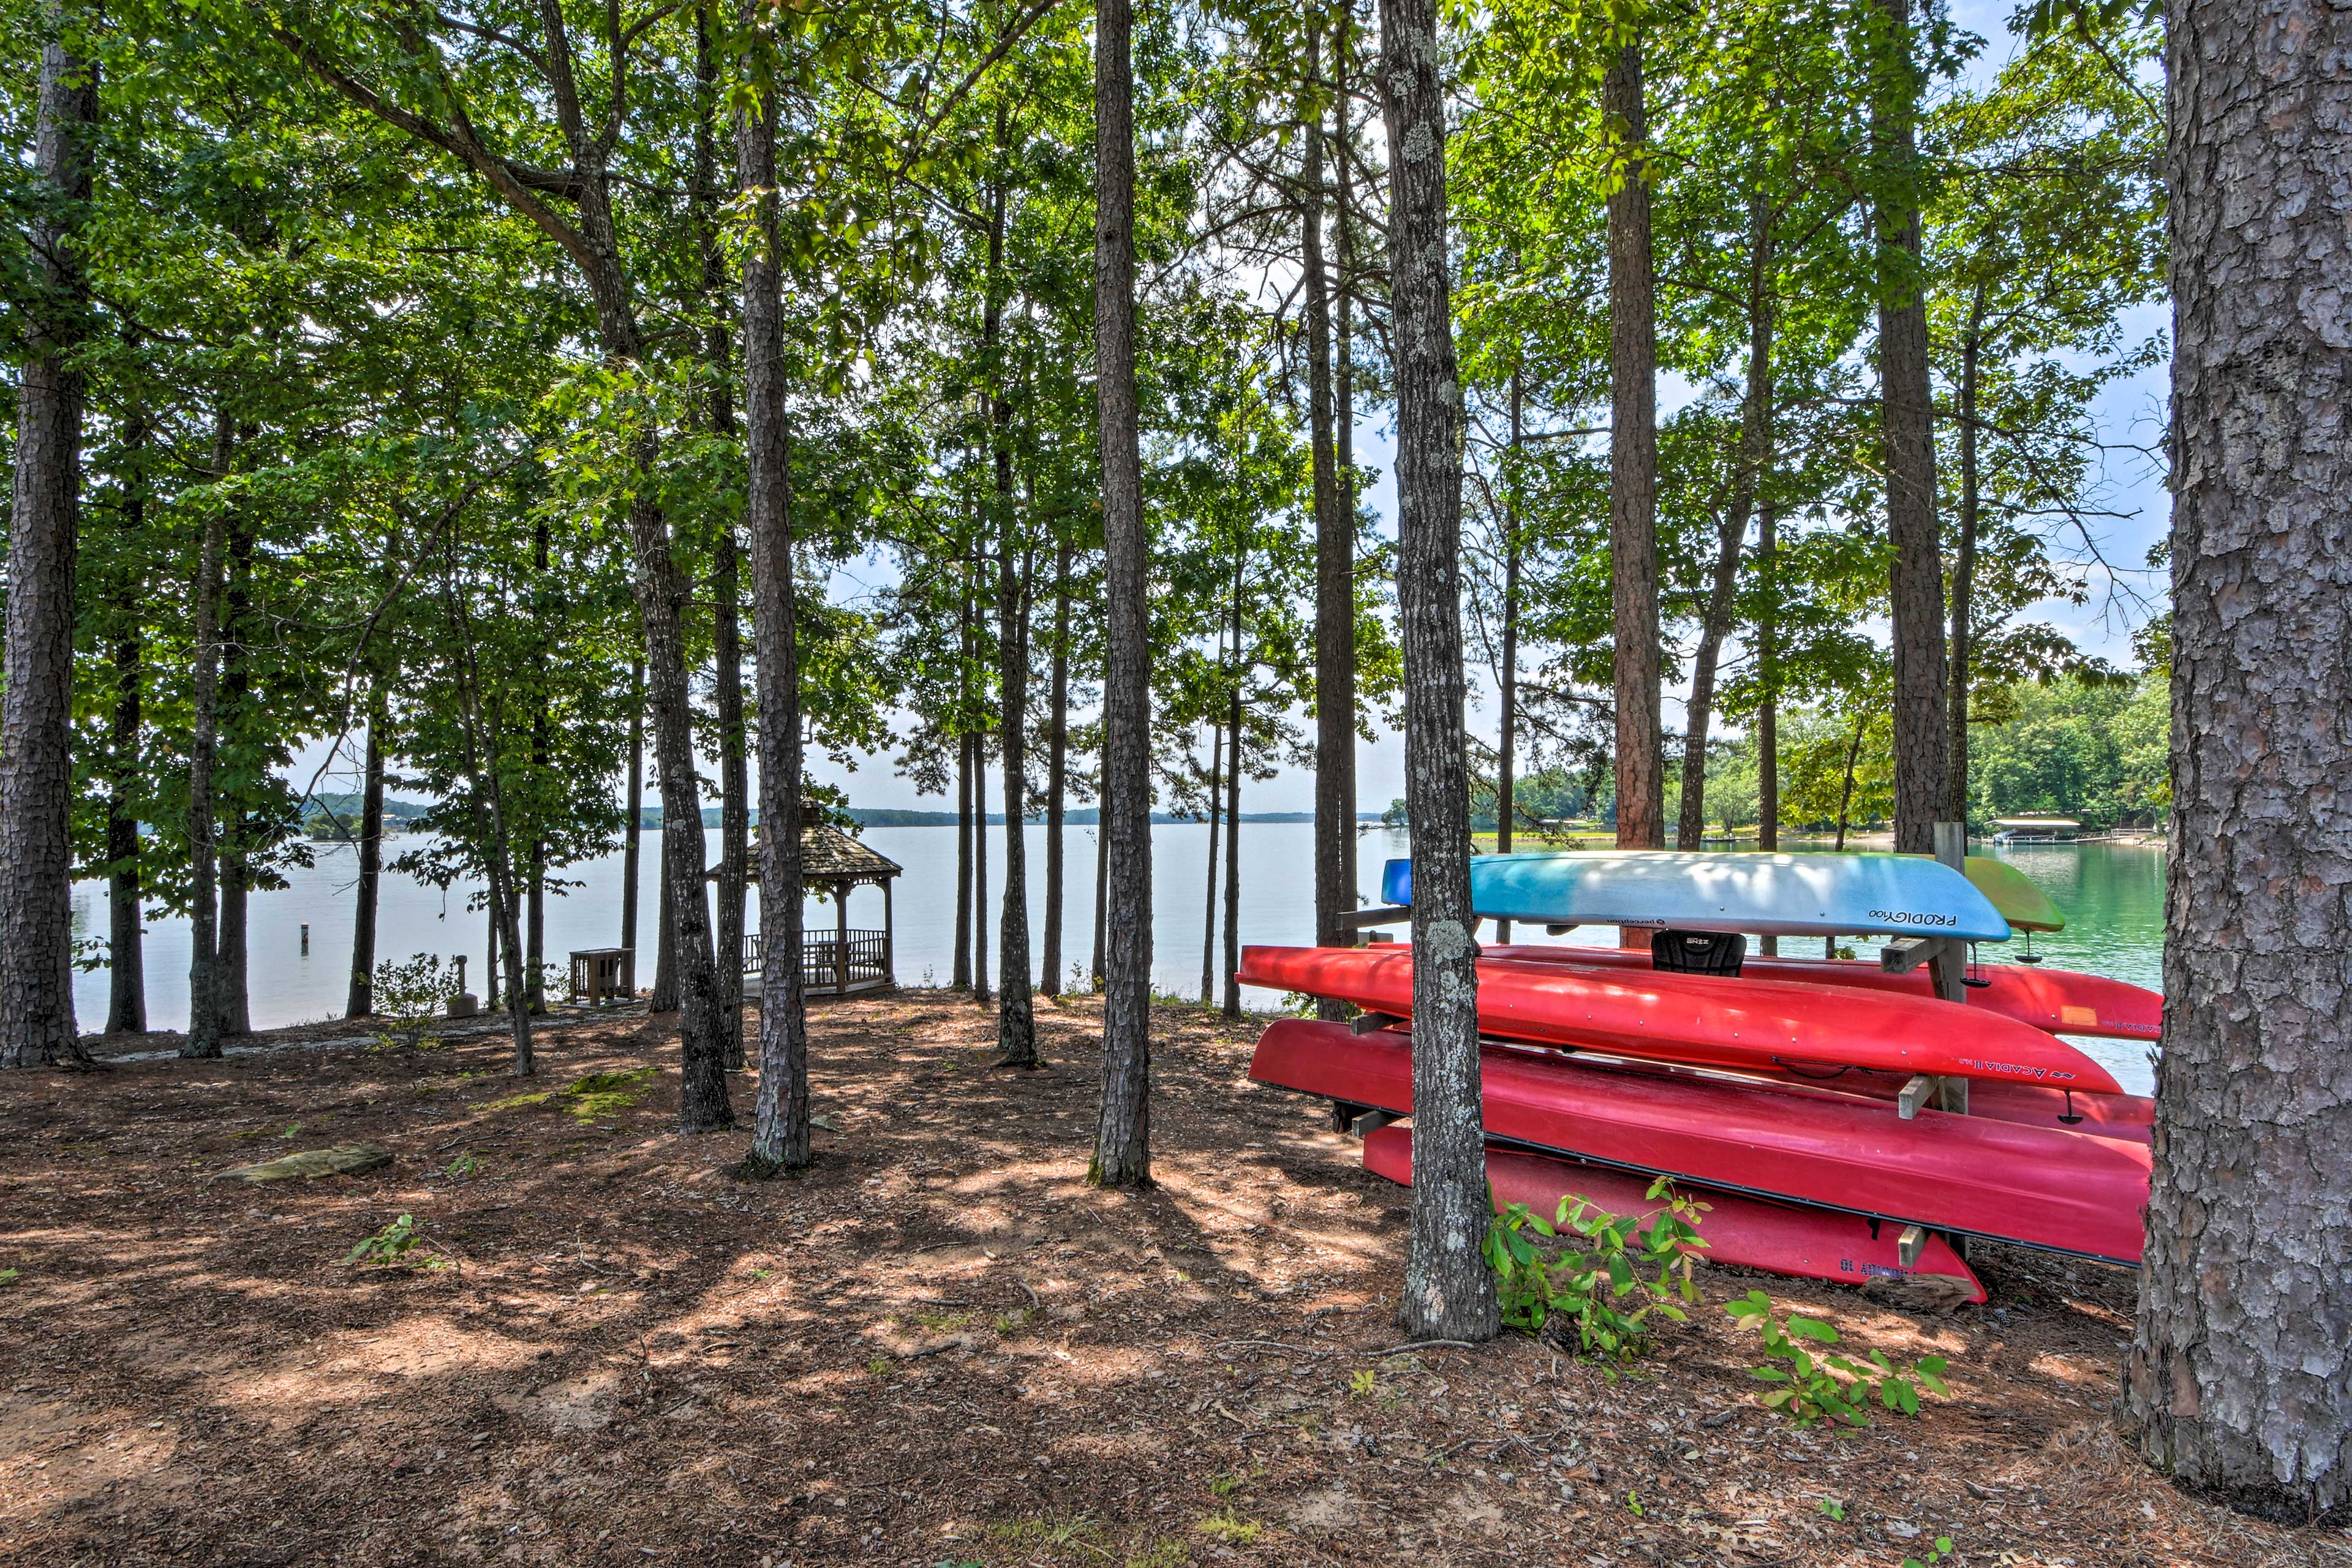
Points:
1364	1384
409	996
1833	1508
461	1167
394	1247
1935	1554
1621	1257
1823	1386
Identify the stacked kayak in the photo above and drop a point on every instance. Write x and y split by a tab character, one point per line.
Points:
1971	1175
1749	1233
2056	1001
1699	1018
1789	1093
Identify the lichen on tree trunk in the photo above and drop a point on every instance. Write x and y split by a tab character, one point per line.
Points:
1448	1292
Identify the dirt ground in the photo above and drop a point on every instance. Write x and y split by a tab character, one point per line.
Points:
937	1347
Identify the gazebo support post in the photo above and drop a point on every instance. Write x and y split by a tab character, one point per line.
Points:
889	938
841	939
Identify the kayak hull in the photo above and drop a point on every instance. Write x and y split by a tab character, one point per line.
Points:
1710	1020
1747	1233
2055	1001
1772	894
2048	1187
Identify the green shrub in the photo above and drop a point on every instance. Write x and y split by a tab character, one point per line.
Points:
1588	1285
1817	1385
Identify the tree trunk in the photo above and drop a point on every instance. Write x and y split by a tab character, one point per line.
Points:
1506	677
493	826
493	952
665	997
2239	1380
1335	565
1690	829
37	1010
1748	478
633	836
1209	907
967	795
980	991
534	968
1845	792
1448	1293
779	1137
1343	420
204	739
360	1002
1918	584
236	872
734	789
1016	1024
1122	1156
1234	811
1633	468
1102	890
1057	769
1964	564
126	1009
1768	711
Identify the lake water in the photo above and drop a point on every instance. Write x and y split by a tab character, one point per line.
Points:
2112	895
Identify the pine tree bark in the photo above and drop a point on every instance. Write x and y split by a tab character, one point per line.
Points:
1507	677
980	991
2239	1380
1122	1156
1909	420
1209	898
1057	769
665	995
1633	468
534	968
1768	708
37	1010
1232	1007
361	1001
1343	442
126	1008
1963	562
1334	560
203	1037
236	713
779	1136
1016	1026
726	571
1448	1293
966	824
633	835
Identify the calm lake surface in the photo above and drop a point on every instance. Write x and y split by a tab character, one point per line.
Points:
2112	895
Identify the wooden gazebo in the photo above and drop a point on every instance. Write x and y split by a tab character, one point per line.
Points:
841	962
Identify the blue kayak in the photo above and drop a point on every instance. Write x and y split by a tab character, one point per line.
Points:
1772	895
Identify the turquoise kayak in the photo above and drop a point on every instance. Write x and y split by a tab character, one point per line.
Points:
1769	895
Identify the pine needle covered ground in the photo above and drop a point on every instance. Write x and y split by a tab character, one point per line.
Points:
588	1344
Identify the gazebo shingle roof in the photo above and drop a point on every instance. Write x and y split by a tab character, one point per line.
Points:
829	854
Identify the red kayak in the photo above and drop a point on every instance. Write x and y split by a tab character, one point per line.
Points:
2042	1186
2057	1001
1706	1019
1781	1238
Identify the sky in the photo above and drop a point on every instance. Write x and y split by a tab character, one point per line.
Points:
2129	411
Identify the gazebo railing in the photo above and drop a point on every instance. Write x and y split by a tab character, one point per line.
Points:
868	955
